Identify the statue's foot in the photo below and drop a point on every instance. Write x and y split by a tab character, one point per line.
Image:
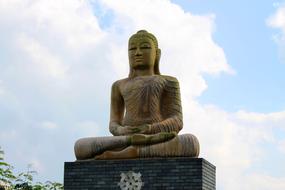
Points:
103	156
141	139
129	152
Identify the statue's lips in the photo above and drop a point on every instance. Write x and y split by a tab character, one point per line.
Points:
138	59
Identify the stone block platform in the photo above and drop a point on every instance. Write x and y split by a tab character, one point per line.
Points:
153	173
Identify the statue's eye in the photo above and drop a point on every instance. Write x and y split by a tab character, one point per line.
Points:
145	46
132	48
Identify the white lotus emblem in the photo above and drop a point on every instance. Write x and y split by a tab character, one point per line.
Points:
131	181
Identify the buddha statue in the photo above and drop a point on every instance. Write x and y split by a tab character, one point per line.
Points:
146	113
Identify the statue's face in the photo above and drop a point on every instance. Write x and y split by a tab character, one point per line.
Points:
142	53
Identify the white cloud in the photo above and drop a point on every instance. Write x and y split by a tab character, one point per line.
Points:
42	58
70	22
49	72
259	118
277	20
265	182
185	39
64	62
237	145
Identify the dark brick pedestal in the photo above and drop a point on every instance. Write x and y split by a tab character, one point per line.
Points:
156	173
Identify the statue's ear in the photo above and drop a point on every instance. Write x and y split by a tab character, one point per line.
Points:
158	54
156	64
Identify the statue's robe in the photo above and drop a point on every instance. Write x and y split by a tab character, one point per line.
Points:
153	100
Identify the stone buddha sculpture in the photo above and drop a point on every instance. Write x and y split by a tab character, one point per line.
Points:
146	113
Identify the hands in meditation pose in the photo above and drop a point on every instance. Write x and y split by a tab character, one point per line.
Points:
146	113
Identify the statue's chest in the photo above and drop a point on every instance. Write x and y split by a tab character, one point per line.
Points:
143	86
141	92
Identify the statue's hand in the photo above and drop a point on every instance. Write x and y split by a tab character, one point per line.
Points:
125	130
141	139
141	129
129	130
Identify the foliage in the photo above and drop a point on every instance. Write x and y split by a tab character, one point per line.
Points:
24	180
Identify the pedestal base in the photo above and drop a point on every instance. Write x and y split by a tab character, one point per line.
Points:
151	173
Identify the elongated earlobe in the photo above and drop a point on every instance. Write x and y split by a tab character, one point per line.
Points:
156	64
158	53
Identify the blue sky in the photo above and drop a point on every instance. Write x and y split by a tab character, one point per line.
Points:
58	60
242	32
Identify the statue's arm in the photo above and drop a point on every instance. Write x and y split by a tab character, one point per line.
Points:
117	110
171	109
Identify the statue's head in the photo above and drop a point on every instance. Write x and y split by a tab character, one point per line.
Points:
143	52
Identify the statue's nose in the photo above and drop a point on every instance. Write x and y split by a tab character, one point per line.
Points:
138	51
